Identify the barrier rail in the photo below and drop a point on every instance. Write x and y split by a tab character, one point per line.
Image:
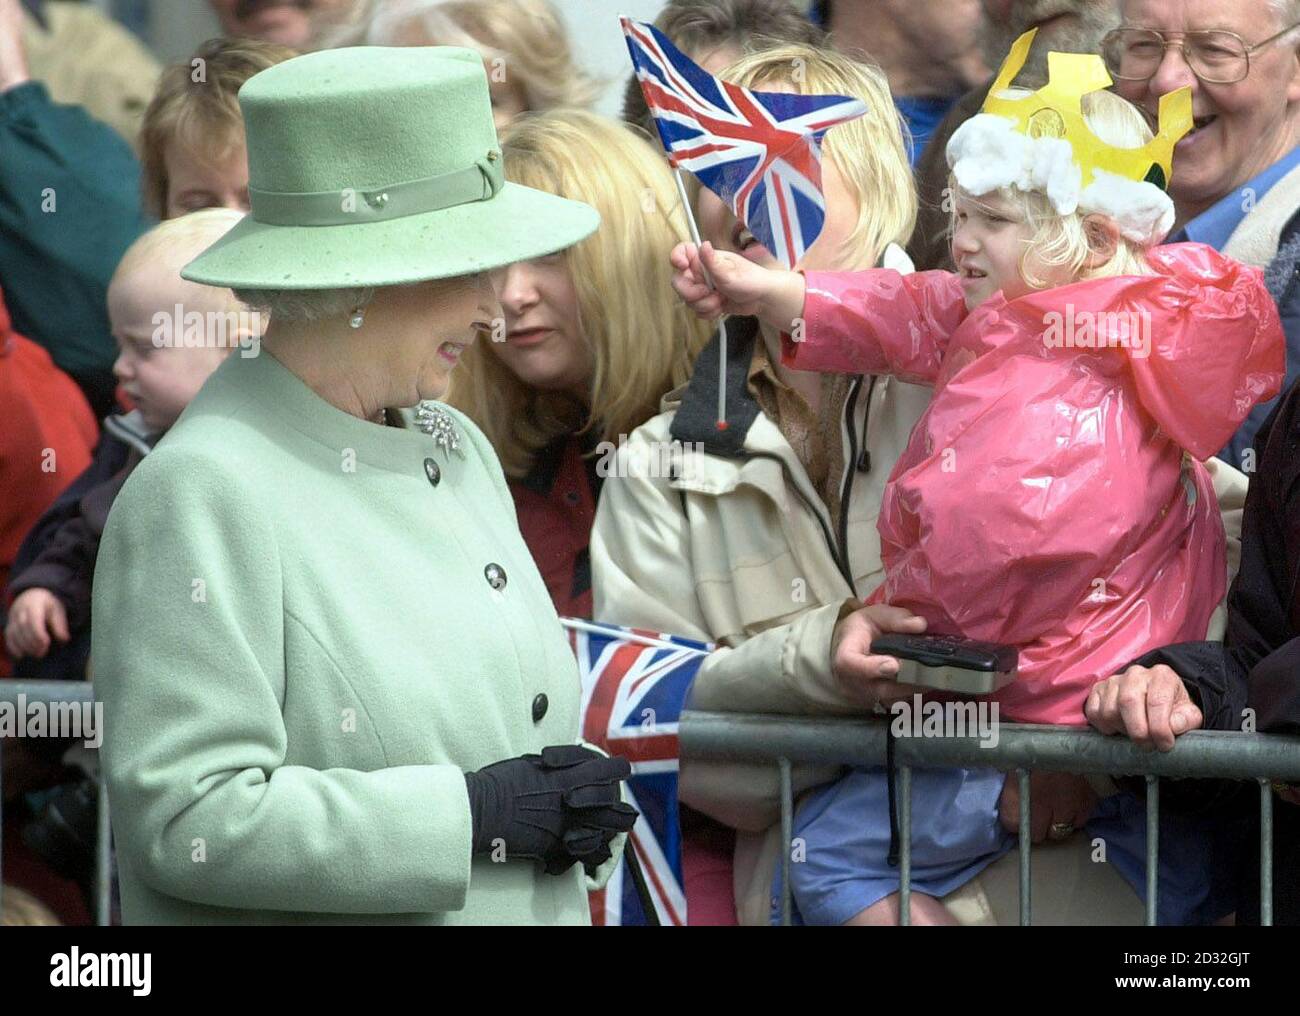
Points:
1020	748
783	741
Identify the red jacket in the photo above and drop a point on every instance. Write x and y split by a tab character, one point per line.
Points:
556	504
46	439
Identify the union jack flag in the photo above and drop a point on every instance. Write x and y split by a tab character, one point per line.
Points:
634	685
760	152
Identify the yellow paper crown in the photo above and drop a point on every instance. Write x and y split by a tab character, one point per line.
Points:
1056	111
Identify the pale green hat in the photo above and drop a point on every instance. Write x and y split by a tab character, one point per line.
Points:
371	166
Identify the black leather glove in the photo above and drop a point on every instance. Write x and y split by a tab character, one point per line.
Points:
561	807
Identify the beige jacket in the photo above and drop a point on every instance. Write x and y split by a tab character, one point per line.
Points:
1256	238
723	538
87	59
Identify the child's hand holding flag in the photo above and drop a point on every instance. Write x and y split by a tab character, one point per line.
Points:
738	286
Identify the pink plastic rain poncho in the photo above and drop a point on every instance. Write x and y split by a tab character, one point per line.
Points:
1043	499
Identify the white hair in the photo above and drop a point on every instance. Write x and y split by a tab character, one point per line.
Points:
306	304
384	22
1287	11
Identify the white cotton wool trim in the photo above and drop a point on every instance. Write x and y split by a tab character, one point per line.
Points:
1144	213
987	153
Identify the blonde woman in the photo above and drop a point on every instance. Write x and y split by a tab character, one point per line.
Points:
591	339
767	535
192	140
524	44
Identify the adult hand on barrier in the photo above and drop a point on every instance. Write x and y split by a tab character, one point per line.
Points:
1059	803
1149	704
869	677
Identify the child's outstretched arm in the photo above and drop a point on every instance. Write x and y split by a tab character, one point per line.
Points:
742	287
872	322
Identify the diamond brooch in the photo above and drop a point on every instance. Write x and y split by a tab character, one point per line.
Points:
439	425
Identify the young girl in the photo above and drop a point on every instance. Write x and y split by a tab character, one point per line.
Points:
1045	499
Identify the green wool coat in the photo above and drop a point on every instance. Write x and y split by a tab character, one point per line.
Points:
299	652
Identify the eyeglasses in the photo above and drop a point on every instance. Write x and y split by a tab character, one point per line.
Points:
1217	57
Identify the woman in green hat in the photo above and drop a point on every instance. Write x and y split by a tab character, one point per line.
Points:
334	685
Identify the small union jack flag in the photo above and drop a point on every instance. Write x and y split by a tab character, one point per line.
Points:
758	151
634	685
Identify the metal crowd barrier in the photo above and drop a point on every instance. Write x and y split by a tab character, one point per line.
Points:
1020	748
857	742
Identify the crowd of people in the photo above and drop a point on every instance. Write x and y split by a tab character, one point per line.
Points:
310	343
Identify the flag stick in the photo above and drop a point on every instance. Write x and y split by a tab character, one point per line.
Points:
722	321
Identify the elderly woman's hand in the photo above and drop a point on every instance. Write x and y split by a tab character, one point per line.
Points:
1150	704
868	677
561	807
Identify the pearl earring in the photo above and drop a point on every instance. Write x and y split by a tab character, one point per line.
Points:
358	317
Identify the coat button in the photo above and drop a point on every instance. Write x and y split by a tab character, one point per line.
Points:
496	576
432	471
540	705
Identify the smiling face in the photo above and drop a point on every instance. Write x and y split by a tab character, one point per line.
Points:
544	344
989	243
197	181
1240	129
427	327
831	250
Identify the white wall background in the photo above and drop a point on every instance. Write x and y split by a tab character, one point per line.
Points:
177	26
598	41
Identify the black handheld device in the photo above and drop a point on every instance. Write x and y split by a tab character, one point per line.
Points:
950	662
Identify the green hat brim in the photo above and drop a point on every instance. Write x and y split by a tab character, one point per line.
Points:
517	224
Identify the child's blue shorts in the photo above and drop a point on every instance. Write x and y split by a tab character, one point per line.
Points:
840	868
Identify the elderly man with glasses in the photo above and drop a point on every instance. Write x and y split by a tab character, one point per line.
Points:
1236	182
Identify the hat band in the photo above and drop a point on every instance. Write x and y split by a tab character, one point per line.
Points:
479	182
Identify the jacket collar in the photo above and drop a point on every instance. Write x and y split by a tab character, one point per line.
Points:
696	419
129	428
752	450
549	462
